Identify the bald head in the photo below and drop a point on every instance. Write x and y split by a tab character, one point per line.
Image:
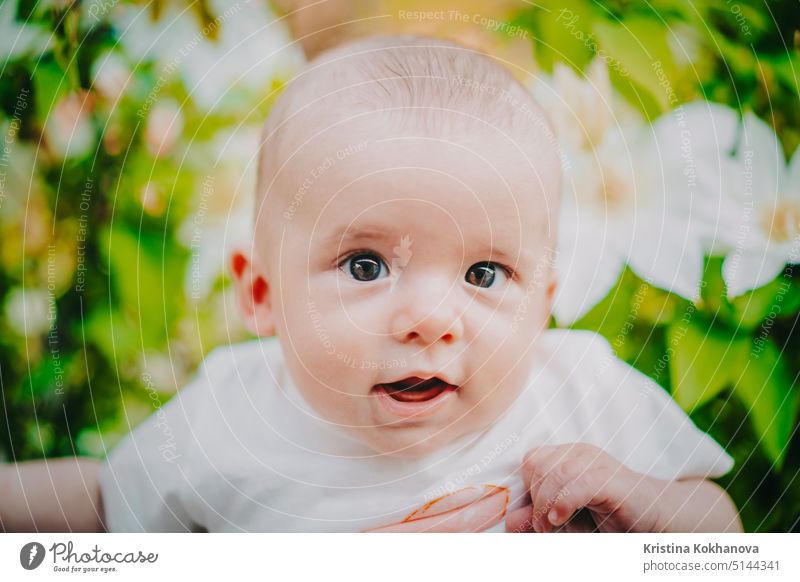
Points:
415	84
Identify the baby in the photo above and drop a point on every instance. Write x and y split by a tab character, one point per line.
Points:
408	192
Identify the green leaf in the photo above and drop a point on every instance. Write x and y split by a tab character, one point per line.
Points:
22	37
562	32
785	68
112	334
49	381
738	58
765	388
713	291
638	46
50	84
139	267
657	306
703	360
776	298
610	315
40	437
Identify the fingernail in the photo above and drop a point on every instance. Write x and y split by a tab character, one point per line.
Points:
553	517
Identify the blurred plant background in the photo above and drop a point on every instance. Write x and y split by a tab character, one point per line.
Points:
127	168
130	133
680	236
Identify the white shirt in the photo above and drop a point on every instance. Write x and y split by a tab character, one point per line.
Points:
239	450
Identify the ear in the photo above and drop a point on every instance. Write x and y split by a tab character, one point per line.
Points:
252	293
552	285
550	288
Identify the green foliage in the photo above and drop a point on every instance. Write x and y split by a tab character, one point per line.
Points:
93	262
733	364
662	53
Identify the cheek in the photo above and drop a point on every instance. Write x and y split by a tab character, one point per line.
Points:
327	385
504	347
308	338
326	338
357	309
514	321
355	317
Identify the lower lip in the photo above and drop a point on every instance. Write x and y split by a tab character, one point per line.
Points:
413	409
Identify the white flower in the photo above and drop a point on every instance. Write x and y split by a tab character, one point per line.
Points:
685	43
164	128
582	110
253	46
69	129
18	40
20	181
110	75
27	311
763	221
695	142
152	199
625	197
160	374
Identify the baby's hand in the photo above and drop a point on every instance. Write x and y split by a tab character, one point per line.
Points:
577	487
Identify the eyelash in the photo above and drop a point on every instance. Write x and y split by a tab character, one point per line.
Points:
340	263
510	273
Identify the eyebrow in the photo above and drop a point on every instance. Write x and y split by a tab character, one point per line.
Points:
499	254
375	234
367	234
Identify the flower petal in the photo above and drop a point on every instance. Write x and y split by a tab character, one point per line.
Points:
668	254
587	265
700	126
691	172
761	158
749	269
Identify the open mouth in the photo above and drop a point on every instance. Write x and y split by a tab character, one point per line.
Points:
415	398
414	389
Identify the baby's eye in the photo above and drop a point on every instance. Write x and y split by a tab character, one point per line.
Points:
485	274
365	266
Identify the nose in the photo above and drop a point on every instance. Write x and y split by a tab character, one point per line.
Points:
427	314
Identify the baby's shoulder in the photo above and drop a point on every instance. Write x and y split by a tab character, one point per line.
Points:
575	352
237	384
573	337
248	363
580	369
236	402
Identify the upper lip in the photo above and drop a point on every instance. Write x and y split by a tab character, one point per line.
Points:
424	376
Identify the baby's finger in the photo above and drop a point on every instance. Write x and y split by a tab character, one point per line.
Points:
556	489
595	488
560	472
519	520
541	462
535	459
543	499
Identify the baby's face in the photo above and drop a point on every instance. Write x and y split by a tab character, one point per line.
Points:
409	279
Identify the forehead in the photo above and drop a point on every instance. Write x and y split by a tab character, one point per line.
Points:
482	179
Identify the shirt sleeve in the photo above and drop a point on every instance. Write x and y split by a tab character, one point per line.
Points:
637	421
144	481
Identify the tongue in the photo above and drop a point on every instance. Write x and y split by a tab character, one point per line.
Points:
416	390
